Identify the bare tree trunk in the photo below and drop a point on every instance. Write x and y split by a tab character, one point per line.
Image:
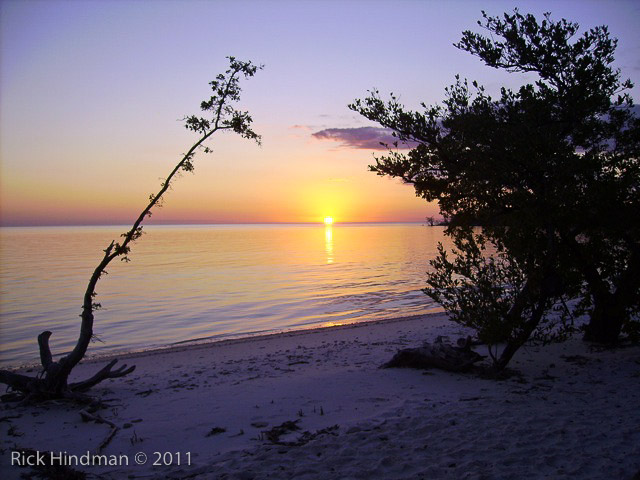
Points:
529	326
610	309
535	294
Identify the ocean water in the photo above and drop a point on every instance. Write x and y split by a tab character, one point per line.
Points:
203	283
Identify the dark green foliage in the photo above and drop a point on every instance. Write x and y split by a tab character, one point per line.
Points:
476	288
505	300
550	171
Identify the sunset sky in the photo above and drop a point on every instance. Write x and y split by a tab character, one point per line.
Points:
92	93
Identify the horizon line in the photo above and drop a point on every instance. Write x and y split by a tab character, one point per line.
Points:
170	224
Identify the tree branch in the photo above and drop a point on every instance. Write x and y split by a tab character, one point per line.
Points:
45	352
103	374
22	383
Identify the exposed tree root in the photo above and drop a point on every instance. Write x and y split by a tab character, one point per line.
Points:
103	374
52	383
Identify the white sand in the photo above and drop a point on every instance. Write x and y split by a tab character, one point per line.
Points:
575	417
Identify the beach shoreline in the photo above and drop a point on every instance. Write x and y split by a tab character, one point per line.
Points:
210	342
314	404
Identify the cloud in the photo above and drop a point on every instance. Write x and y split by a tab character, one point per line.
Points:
370	138
367	138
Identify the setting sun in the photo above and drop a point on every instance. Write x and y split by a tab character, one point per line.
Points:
328	220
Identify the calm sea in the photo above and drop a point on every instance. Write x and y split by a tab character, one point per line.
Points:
188	283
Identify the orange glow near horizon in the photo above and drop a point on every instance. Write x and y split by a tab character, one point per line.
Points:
239	185
81	145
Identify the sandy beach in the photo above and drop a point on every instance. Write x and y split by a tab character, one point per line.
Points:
314	404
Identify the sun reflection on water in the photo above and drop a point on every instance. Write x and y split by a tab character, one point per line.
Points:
328	242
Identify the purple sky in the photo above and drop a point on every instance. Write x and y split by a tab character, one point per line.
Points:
91	93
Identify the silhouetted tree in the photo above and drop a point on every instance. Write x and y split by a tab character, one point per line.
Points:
539	168
220	115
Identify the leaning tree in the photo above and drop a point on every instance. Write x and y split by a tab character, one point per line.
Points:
549	170
219	115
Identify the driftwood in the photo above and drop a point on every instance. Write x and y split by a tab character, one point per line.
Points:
459	358
88	416
48	387
273	435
